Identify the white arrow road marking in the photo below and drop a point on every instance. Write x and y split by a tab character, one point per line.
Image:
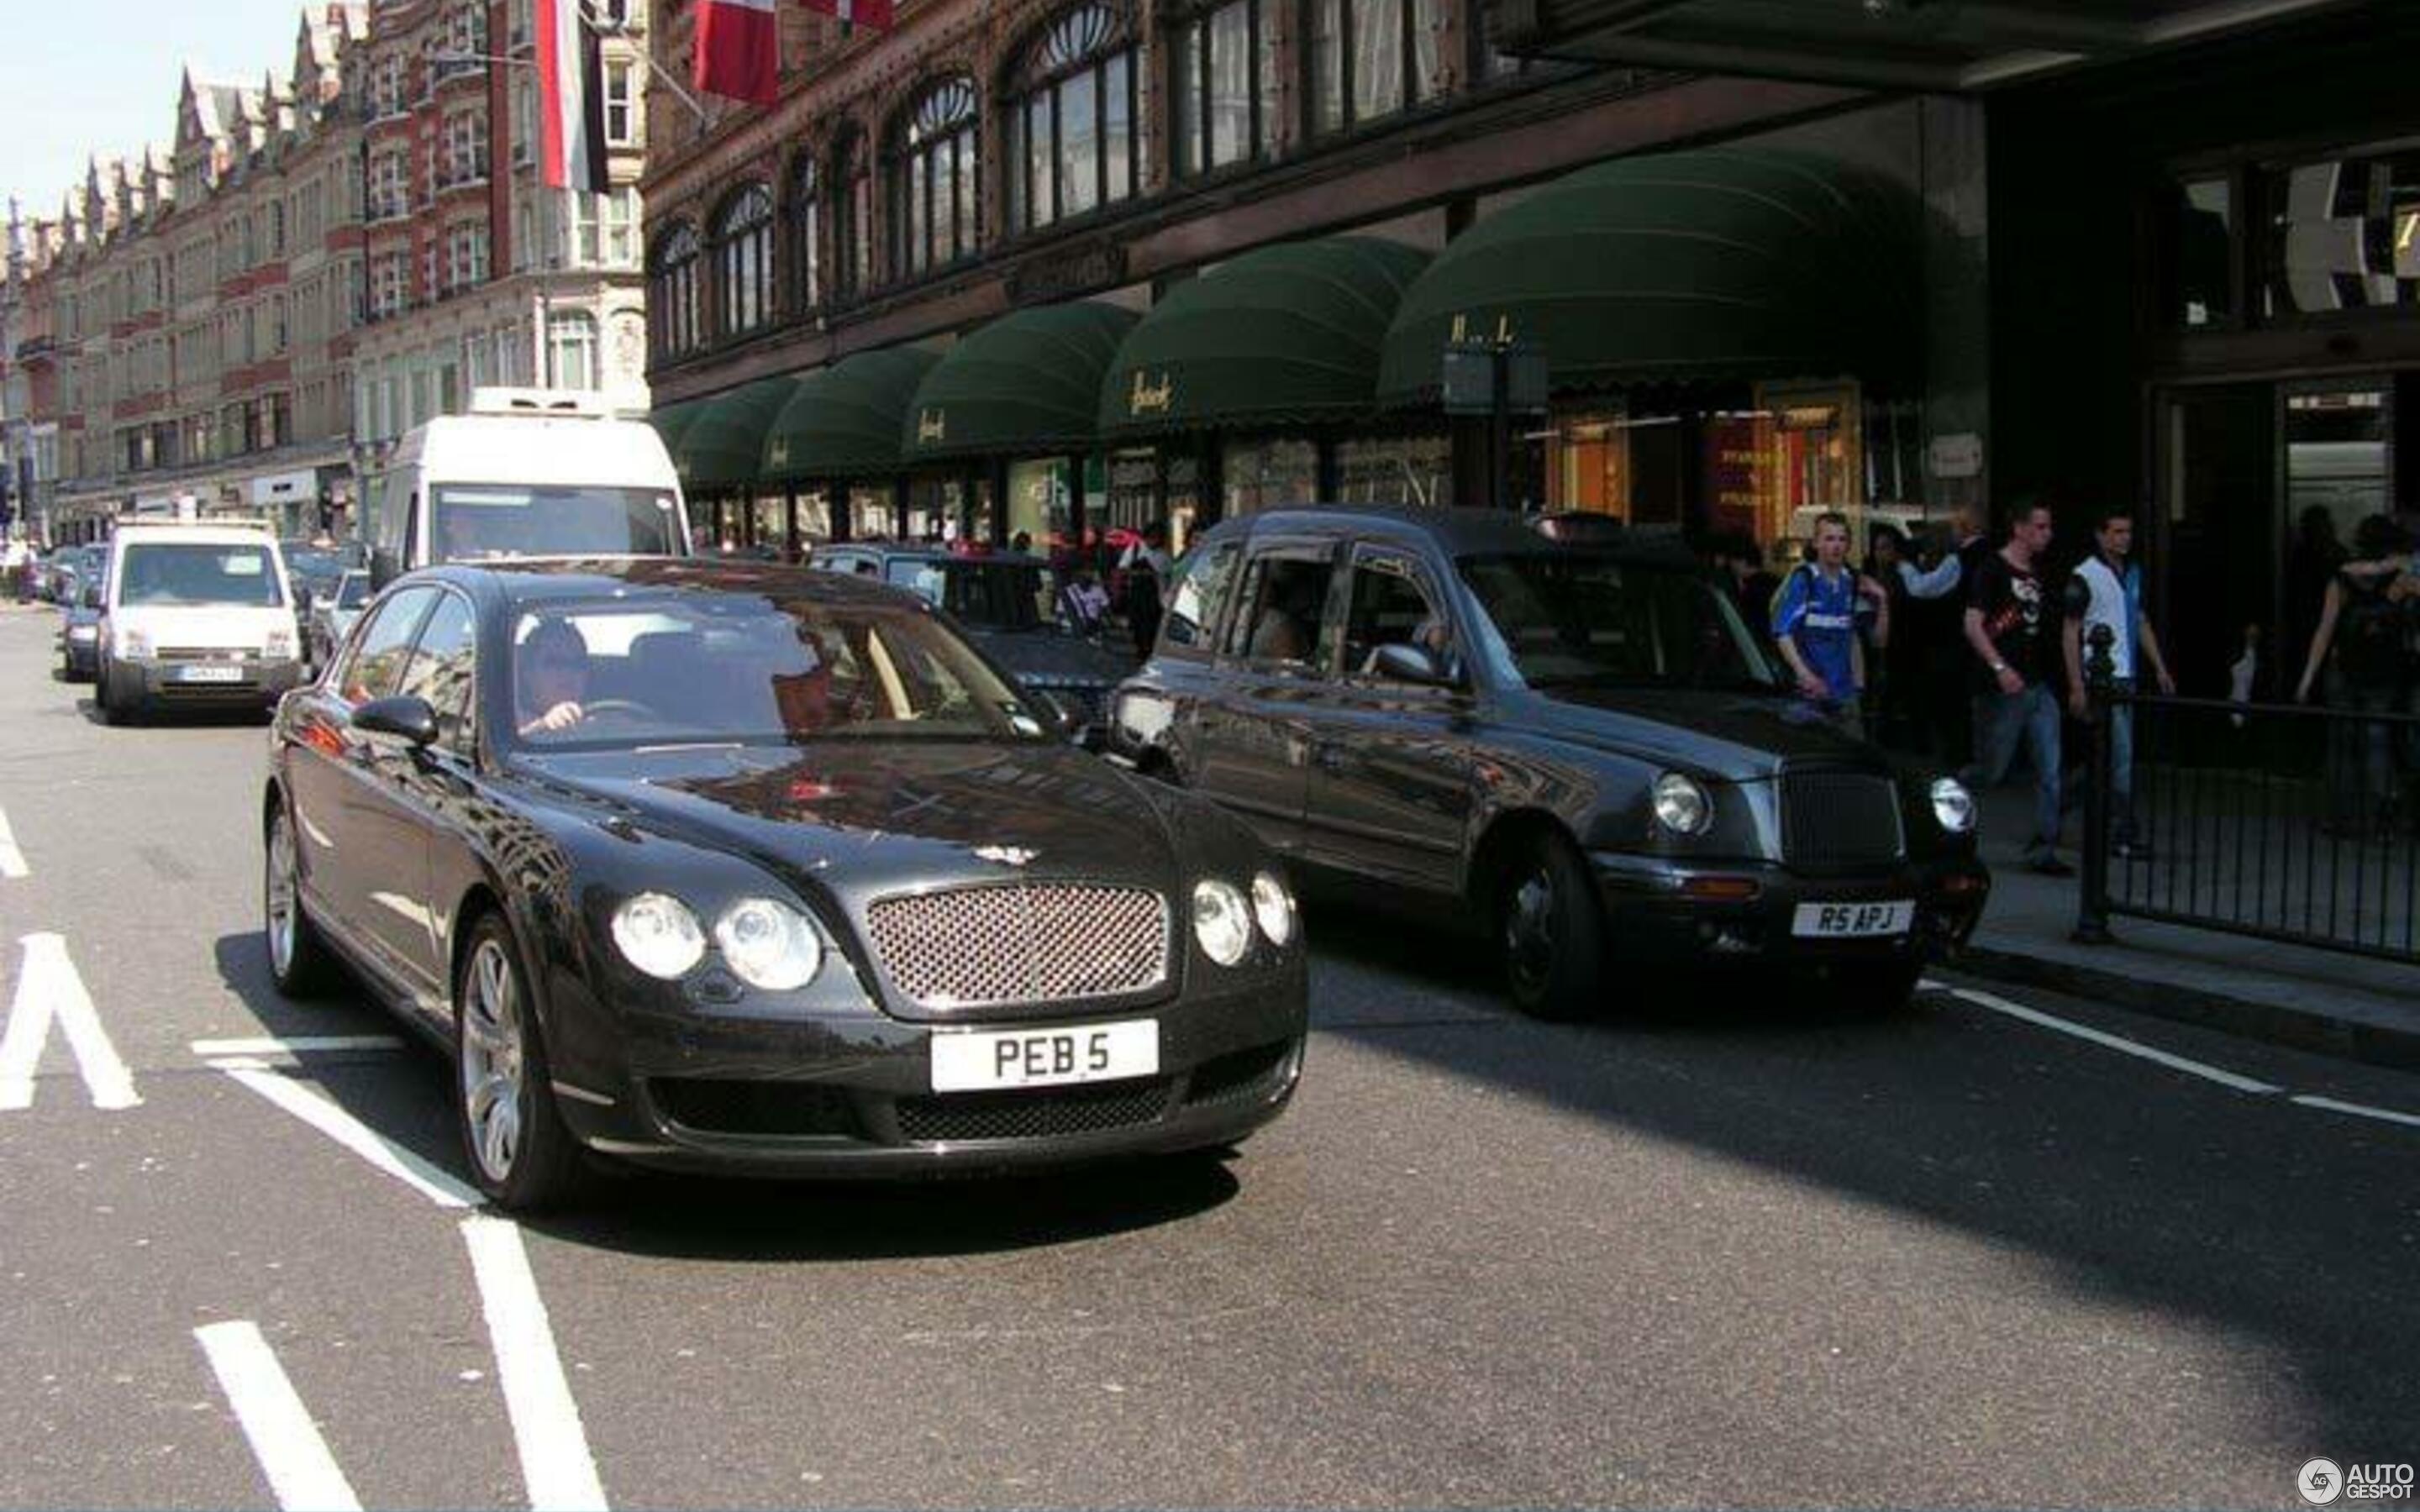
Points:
342	1127
556	1462
48	991
2118	1042
12	860
284	1439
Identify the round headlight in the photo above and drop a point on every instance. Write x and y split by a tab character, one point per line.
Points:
1273	906
1681	805
769	945
1953	805
658	936
1221	921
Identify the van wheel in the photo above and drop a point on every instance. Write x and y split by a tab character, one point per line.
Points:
1552	933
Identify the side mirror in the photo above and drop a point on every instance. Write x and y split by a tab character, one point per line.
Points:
384	568
1415	665
403	716
1067	716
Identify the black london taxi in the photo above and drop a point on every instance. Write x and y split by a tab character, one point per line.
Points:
1580	748
745	867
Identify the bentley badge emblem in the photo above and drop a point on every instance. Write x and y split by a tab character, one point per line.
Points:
1006	855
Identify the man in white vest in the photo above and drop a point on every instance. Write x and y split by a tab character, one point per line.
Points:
2107	590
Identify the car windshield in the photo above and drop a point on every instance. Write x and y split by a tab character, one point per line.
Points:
995	596
354	590
192	572
742	667
1577	617
471	523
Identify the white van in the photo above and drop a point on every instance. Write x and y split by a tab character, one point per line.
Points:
528	472
195	614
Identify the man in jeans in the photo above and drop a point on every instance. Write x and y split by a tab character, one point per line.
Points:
2011	630
2108	591
1815	625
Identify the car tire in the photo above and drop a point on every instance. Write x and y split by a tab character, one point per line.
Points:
298	962
112	711
513	1136
1551	930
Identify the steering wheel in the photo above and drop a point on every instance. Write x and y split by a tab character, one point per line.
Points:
626	708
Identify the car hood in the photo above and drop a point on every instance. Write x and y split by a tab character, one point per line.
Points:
1741	737
1044	658
859	822
210	625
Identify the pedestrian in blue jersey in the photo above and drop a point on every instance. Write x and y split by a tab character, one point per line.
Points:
1815	623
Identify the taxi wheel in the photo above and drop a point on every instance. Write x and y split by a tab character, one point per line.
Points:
513	1135
298	962
1551	932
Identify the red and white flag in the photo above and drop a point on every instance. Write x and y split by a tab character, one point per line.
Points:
570	99
737	51
879	14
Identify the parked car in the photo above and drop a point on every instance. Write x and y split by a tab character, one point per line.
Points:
704	865
80	634
195	614
315	571
66	571
1008	604
1581	749
332	614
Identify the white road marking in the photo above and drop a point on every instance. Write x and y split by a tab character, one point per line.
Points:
12	860
284	1439
556	1462
298	1045
337	1124
2359	1110
49	991
2117	1042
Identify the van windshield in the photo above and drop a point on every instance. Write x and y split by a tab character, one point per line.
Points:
472	521
193	573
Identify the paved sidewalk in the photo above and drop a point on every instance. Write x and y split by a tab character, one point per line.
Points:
2344	1005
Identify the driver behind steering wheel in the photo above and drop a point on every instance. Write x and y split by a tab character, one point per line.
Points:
551	678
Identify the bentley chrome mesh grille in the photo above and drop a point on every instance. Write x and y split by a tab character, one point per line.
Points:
976	946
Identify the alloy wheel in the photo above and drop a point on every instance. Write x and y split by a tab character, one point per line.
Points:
1529	930
279	895
494	1095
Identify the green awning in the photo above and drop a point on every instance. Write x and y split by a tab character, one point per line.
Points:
673	421
1721	264
1289	334
844	421
1027	384
723	447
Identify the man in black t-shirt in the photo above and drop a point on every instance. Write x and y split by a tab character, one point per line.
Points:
2012	628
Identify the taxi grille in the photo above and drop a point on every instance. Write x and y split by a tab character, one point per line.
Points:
977	947
1839	819
1032	1114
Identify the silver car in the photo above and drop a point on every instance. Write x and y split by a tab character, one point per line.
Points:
333	616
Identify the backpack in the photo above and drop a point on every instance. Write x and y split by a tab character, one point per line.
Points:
2370	636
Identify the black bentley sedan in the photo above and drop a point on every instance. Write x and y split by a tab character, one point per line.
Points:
747	867
1008	604
1580	746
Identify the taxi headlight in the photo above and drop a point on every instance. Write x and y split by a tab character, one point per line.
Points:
769	945
1953	806
658	936
1273	907
1221	921
1682	805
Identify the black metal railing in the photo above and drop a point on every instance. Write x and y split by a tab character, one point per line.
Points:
2282	822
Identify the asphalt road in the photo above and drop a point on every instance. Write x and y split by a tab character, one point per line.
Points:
1715	1250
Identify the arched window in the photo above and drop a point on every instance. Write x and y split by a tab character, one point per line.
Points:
1370	58
852	203
806	228
743	261
1224	96
671	294
932	180
1071	126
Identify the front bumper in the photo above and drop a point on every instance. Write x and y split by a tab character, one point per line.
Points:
1659	911
692	1087
248	680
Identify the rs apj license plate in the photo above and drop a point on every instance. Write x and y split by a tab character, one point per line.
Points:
998	1060
1852	921
210	674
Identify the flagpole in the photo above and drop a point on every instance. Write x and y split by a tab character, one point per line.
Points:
589	19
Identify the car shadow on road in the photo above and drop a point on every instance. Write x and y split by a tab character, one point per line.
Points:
405	1097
